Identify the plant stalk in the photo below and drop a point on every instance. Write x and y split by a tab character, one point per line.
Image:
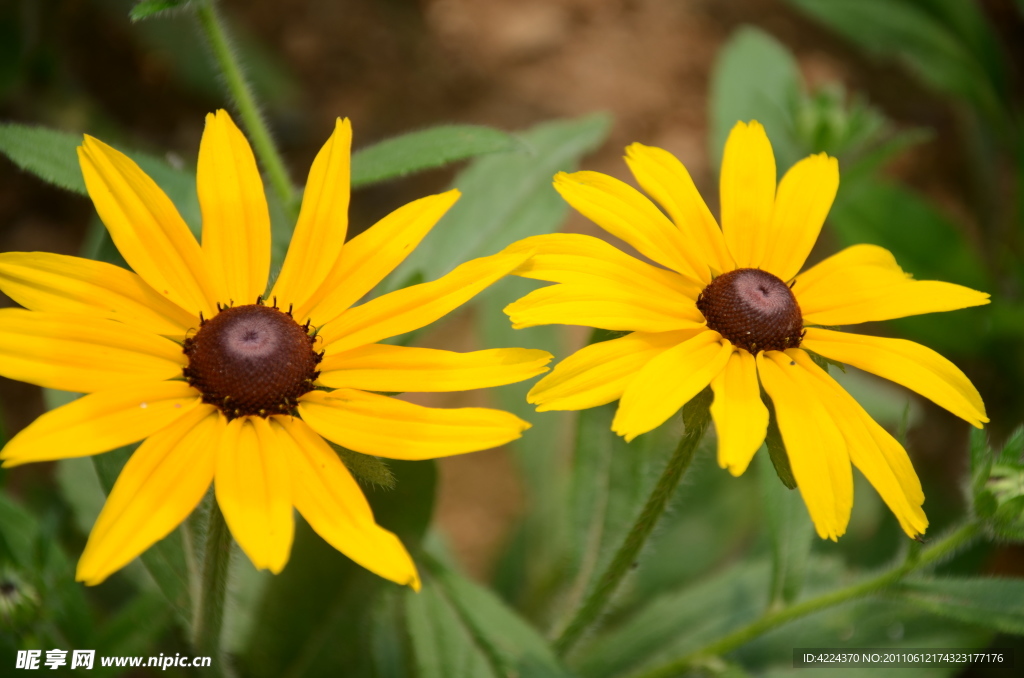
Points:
213	29
696	415
771	620
206	632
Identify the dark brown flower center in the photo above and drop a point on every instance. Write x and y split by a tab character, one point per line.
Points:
252	360
753	309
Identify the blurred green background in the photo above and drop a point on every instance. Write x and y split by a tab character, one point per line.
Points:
919	99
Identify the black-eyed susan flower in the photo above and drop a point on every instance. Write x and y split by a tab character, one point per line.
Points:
729	307
229	384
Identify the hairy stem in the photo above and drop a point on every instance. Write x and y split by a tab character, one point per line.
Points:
213	29
696	415
771	620
206	632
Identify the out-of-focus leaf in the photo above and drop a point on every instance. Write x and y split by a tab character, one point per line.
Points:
533	559
321	612
755	78
425	149
677	622
871	623
908	33
500	202
52	605
134	630
460	629
790	531
777	449
519	185
992	603
149	8
165	560
611	480
51	156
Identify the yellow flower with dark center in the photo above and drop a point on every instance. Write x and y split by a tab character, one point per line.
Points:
729	309
229	385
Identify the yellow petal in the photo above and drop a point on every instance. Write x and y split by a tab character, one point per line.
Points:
741	419
236	222
146	227
382	367
101	421
881	459
41	281
804	198
606	305
332	503
414	307
72	352
748	193
909	364
388	427
598	374
159	486
864	283
254	491
666	180
323	221
815	446
627	214
669	381
370	256
584	259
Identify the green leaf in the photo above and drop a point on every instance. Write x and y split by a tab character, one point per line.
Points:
677	622
902	31
148	8
791	533
166	560
460	629
777	449
993	603
324	611
610	482
367	468
501	198
426	149
51	155
755	78
135	629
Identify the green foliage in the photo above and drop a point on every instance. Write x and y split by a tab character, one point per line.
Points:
755	78
997	604
324	611
674	623
790	532
997	484
426	149
932	44
459	629
51	156
150	8
505	197
777	449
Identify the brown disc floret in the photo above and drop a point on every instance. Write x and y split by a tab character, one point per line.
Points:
252	360
753	309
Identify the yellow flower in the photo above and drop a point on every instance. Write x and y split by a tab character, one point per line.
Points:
729	309
230	386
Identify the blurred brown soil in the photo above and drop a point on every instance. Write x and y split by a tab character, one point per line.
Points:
396	65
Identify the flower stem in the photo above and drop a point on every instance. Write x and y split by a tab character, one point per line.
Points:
217	37
767	622
696	415
212	587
